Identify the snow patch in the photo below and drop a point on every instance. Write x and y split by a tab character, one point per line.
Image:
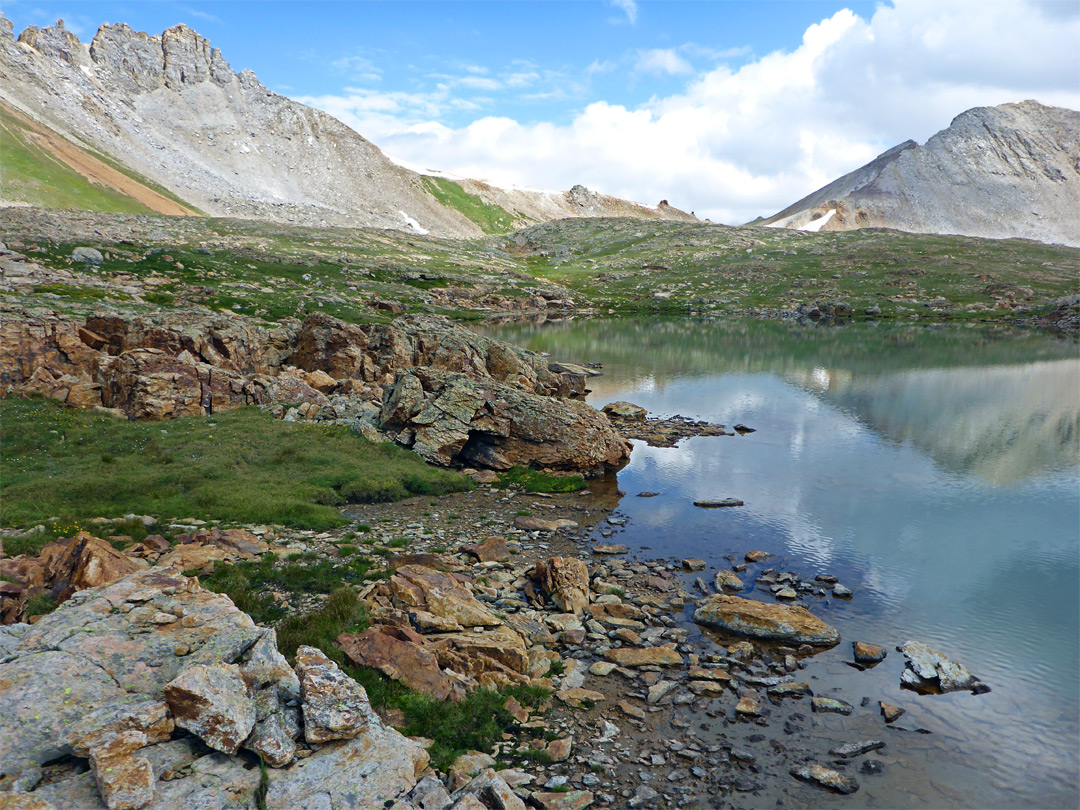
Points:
412	223
818	223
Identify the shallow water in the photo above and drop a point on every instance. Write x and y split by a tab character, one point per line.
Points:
935	470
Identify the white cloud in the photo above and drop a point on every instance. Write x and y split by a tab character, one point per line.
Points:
201	15
737	143
663	61
629	7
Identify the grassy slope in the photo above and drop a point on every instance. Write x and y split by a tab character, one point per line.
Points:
489	218
676	268
30	174
242	466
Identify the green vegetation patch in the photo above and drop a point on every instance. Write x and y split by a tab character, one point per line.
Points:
32	175
489	218
242	466
531	480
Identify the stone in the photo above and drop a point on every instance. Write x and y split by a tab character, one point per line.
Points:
335	706
87	255
416	586
602	668
826	705
786	593
211	701
402	656
890	712
271	740
491	790
356	773
748	706
644	656
693	565
867	653
566	581
430	794
631	710
927	670
465	767
560	749
718	503
626	410
727	581
841	591
855	749
538	524
570	800
491	550
772	622
825	777
193	558
577	698
659	690
783	690
756	556
609	548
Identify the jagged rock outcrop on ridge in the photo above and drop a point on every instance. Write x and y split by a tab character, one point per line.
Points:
172	109
998	172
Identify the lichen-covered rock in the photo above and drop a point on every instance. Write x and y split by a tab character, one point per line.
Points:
402	655
211	701
482	422
772	622
416	586
335	706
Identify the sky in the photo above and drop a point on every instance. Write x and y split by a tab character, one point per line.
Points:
730	109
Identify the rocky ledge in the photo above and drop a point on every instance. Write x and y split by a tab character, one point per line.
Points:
456	397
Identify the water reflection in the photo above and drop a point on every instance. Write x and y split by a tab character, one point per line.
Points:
935	471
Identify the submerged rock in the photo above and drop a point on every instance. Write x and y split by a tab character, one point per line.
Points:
772	622
718	503
867	653
927	670
854	749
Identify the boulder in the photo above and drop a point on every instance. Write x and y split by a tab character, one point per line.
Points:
491	550
453	418
211	701
825	777
401	655
626	410
867	653
416	586
335	706
566	581
771	622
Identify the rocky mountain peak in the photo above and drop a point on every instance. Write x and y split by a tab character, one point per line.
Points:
138	62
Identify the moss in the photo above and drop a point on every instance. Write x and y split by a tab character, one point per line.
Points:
535	481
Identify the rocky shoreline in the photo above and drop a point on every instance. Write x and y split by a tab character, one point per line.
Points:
648	709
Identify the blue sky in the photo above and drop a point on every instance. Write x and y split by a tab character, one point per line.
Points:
732	109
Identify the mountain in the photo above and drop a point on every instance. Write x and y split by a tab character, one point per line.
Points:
997	172
172	120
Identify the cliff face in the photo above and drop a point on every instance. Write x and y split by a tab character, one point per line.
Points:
171	109
998	172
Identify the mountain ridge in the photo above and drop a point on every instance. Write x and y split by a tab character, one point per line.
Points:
171	108
998	172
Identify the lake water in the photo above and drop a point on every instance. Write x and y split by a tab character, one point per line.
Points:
935	470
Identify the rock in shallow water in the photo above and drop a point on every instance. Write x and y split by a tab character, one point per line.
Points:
747	617
825	777
927	670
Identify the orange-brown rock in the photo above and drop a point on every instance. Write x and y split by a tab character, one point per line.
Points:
491	550
772	622
644	656
439	594
400	654
566	581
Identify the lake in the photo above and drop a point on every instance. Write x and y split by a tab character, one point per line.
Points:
934	470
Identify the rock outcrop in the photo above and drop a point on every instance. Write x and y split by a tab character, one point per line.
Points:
998	172
453	396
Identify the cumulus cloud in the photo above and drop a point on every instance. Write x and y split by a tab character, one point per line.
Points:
733	144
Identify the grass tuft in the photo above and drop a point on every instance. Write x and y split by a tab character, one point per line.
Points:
535	481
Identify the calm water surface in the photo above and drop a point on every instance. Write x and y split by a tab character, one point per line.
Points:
935	470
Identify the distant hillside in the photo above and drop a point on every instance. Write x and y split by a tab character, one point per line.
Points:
998	172
168	111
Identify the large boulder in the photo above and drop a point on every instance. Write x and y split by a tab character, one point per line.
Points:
113	672
770	622
453	418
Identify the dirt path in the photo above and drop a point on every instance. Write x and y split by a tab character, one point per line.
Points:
96	171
